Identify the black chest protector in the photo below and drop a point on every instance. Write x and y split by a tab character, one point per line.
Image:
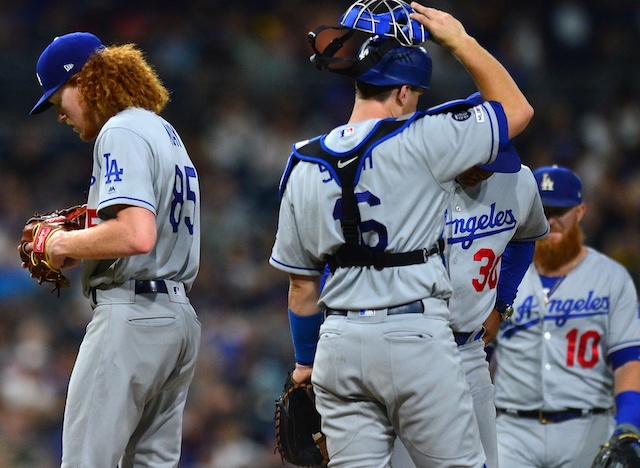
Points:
345	169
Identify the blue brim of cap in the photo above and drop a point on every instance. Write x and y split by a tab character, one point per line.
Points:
559	203
43	103
507	161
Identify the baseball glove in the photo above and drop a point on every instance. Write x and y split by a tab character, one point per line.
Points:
621	451
298	435
38	229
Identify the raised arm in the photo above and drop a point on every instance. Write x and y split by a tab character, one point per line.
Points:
493	80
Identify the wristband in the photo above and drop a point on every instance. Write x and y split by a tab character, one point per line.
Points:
628	408
304	334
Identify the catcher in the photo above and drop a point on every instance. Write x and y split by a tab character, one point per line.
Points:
41	228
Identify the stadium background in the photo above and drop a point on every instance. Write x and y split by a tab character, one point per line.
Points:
242	92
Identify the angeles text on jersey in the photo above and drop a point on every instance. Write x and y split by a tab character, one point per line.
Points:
559	311
466	230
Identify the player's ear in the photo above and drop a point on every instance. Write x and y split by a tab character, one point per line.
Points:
580	211
402	94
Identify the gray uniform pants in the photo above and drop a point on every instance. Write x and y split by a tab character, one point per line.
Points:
376	376
129	385
527	443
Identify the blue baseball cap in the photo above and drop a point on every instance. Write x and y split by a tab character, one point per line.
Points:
508	159
558	186
63	58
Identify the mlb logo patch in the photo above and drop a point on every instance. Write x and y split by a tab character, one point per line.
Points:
347	132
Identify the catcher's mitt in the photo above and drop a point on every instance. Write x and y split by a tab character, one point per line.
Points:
298	426
38	229
621	451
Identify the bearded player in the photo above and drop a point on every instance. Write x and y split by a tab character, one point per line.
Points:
572	348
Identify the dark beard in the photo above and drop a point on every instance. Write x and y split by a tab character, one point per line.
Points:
553	255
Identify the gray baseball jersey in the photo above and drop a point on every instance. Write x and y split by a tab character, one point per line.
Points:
481	221
428	154
140	160
138	356
552	355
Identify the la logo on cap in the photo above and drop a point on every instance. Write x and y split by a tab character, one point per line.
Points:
546	183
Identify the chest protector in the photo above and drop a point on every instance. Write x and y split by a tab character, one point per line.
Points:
345	168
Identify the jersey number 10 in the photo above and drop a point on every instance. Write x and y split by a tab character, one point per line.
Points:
578	346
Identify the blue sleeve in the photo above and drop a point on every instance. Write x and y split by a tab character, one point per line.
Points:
618	358
515	261
323	278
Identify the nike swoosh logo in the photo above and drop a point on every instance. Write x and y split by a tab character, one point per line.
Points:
342	164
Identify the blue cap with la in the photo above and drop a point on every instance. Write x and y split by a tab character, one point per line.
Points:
559	187
63	58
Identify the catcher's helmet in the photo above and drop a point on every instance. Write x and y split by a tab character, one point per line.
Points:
381	61
398	66
391	54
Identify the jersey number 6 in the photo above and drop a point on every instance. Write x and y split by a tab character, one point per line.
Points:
366	226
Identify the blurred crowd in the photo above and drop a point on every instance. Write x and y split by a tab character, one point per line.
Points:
242	91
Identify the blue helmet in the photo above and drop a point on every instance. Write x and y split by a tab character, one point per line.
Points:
395	64
381	61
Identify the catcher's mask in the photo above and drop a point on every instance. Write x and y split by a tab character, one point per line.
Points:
381	61
388	18
390	55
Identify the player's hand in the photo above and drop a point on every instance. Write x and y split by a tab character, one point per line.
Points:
445	30
302	374
491	326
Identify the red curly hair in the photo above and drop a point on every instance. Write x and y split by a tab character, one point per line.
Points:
118	77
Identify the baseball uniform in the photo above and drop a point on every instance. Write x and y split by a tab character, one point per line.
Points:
481	220
553	379
138	356
369	356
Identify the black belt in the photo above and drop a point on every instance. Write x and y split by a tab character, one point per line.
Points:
546	417
463	338
416	307
143	287
151	286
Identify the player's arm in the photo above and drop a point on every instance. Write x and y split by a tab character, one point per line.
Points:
516	259
626	377
493	81
304	321
131	232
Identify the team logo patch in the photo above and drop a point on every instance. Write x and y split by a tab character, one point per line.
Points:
461	116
